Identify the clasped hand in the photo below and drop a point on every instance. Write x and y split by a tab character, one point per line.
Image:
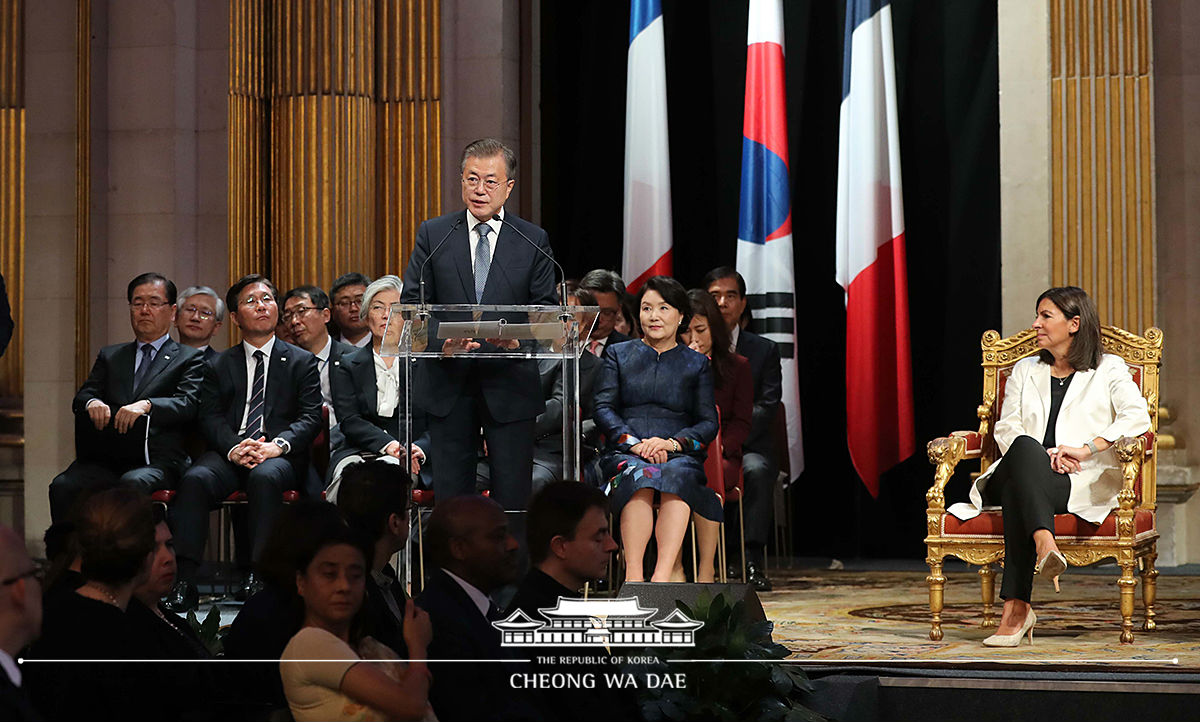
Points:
252	452
1068	459
416	457
654	449
452	346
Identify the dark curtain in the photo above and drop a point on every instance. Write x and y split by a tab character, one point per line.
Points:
949	120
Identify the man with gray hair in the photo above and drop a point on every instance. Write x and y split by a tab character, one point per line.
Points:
485	255
20	621
198	318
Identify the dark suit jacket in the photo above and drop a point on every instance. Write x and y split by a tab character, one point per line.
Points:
616	337
765	366
6	320
355	398
463	691
380	622
173	386
292	408
14	704
519	275
211	355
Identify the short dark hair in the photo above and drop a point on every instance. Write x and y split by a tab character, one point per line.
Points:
721	272
556	510
603	281
369	493
1086	349
673	293
316	295
231	296
629	310
152	278
703	304
116	534
287	541
488	148
353	278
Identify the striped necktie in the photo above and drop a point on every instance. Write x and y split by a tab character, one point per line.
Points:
254	420
483	260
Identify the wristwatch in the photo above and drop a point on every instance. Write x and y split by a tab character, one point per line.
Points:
283	445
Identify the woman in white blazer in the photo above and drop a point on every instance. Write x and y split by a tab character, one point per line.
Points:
1063	409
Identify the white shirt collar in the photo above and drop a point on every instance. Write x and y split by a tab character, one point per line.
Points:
366	339
13	671
733	336
156	343
481	600
323	354
495	225
265	348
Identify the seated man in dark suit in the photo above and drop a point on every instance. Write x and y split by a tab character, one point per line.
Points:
373	499
570	544
261	411
759	465
347	295
474	554
201	314
20	622
131	412
606	290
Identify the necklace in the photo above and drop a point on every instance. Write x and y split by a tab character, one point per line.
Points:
112	600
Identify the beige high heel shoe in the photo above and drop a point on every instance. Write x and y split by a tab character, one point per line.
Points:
1052	565
1014	639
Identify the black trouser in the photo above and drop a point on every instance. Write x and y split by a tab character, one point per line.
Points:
1030	493
82	476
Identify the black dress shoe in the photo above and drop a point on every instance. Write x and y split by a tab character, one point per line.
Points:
757	578
182	598
252	586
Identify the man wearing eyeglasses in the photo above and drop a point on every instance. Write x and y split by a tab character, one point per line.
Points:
608	289
306	313
133	410
260	412
20	622
347	296
484	261
201	314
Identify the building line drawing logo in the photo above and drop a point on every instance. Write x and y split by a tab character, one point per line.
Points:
620	622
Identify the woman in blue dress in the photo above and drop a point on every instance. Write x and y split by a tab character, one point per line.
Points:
654	404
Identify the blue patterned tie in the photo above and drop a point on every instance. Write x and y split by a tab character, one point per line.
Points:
483	260
257	400
147	358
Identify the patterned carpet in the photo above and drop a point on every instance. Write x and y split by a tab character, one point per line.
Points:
847	616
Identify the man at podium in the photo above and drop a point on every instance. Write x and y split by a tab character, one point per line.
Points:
488	257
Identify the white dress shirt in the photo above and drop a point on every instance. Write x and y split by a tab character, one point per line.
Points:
473	233
11	669
387	386
323	369
733	336
250	349
481	600
361	343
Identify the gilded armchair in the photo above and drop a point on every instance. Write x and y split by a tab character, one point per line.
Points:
1128	535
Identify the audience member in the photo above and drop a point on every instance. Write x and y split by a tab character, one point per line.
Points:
474	554
570	544
368	391
306	313
201	314
606	290
374	502
628	324
62	560
173	637
331	583
261	412
131	411
20	622
760	466
657	432
733	388
116	541
347	294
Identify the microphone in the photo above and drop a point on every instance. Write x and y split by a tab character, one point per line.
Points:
561	273
421	273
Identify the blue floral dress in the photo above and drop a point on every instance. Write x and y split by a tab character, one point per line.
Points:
639	394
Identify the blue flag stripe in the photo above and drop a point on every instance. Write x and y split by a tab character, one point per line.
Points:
857	13
641	14
764	202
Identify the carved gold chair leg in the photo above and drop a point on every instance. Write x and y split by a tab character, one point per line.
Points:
937	588
1126	583
1149	590
987	589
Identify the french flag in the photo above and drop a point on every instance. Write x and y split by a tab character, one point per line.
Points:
871	264
764	247
647	228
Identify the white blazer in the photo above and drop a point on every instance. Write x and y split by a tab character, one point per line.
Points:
1103	402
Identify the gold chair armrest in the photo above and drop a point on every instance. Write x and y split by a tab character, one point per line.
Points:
944	453
1131	451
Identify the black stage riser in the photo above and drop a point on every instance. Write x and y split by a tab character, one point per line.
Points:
663	595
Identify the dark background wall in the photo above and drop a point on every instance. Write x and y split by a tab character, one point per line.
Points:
946	61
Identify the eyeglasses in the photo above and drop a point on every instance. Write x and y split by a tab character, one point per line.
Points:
297	312
203	313
153	304
378	308
38	572
490	184
350	302
251	301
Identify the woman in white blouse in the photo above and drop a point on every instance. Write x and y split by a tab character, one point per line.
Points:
330	671
367	388
1062	411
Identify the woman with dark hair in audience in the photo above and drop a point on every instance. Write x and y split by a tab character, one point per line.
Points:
170	633
627	322
115	533
368	681
733	388
654	404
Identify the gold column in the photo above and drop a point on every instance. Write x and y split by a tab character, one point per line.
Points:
248	134
1102	170
322	141
12	182
409	111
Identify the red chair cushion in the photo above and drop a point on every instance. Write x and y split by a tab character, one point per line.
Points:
239	497
422	497
163	496
991	523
